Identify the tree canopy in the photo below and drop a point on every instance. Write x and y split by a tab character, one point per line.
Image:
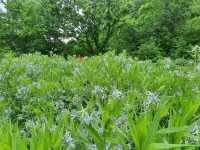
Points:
88	27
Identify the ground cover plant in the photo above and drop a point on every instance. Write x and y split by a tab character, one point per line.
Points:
106	102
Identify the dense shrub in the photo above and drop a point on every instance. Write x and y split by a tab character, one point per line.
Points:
149	50
102	102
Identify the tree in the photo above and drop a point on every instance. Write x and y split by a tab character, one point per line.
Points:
30	25
161	20
89	27
96	22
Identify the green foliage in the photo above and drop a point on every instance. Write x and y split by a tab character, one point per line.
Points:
96	23
190	29
126	38
172	24
161	20
182	49
149	50
88	27
102	102
30	26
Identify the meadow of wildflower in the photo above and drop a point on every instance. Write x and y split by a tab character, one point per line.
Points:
107	102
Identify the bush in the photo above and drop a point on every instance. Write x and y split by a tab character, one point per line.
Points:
149	50
181	49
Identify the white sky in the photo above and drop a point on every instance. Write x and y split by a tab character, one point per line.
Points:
2	8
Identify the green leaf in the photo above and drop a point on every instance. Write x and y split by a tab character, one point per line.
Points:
98	139
169	146
173	130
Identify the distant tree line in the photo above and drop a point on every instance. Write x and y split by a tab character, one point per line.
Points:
148	29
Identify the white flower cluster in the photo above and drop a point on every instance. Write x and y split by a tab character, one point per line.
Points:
196	129
74	114
29	124
21	91
98	90
68	140
107	146
53	128
76	100
194	138
152	99
100	130
189	140
8	112
122	121
117	94
86	118
118	147
168	63
31	69
92	147
59	104
76	71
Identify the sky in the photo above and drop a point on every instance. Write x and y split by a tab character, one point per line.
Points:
2	9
